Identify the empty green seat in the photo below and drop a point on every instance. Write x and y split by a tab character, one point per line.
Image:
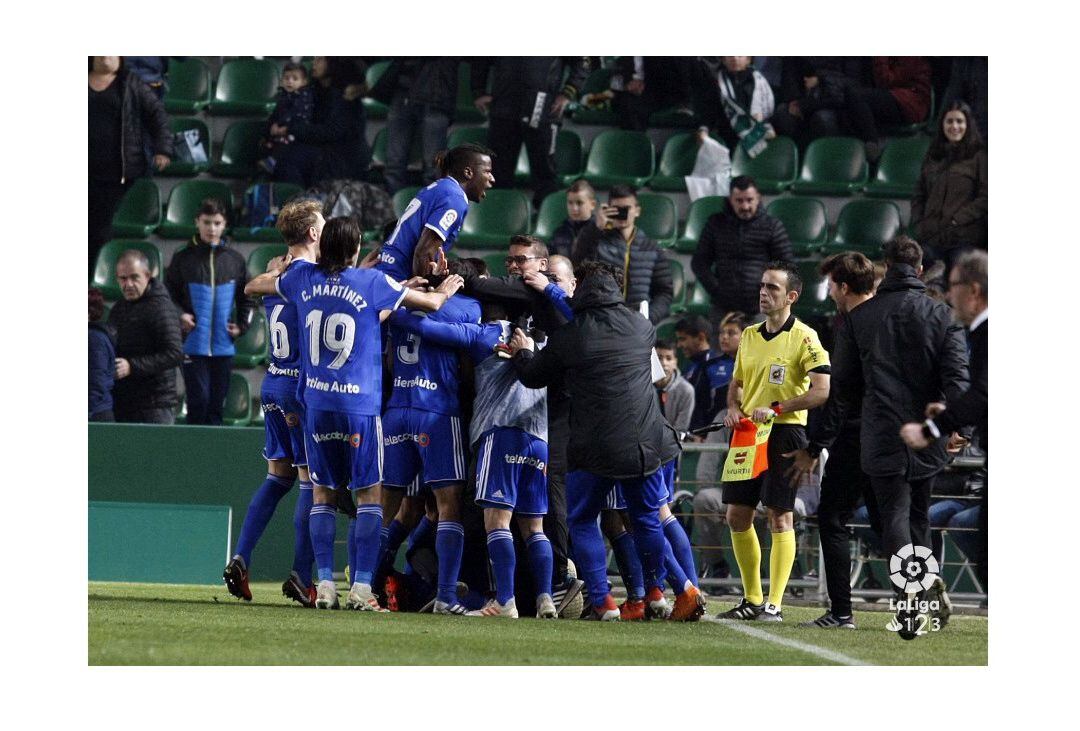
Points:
237	410
658	218
466	113
865	225
181	168
568	157
402	197
814	300
240	150
552	214
598	80
139	212
261	256
833	166
183	205
618	157
280	194
105	267
496	264
805	222
491	222
899	168
676	162
245	87
774	169
463	135
696	217
373	108
189	86
678	281
698	301
251	347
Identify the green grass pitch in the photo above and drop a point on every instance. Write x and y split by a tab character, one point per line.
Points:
156	624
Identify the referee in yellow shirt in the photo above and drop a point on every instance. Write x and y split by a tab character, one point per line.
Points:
781	370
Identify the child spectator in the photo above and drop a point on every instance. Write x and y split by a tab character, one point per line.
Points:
675	393
580	204
295	103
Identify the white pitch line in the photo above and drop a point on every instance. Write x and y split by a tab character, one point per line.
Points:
806	647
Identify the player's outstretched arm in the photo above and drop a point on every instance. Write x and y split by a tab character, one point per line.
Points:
432	301
266	283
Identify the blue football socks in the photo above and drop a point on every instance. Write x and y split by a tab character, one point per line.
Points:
449	543
366	542
679	545
419	534
260	511
393	535
500	546
303	555
322	526
541	561
626	557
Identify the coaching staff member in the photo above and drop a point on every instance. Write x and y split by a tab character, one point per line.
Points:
901	350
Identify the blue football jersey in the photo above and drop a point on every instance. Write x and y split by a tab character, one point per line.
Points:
427	374
440	207
341	347
284	329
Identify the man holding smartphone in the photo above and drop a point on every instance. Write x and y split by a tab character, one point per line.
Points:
614	238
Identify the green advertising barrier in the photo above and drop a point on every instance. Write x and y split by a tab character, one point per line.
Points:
157	542
196	465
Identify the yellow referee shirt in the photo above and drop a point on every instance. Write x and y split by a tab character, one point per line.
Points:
776	366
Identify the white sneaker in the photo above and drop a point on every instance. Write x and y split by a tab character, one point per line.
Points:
362	599
545	607
494	609
326	596
447	608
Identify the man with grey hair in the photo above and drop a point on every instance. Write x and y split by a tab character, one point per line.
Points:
148	345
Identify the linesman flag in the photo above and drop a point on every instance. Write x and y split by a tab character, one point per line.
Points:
748	456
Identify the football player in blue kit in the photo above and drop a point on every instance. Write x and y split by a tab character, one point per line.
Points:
509	433
340	307
433	219
301	224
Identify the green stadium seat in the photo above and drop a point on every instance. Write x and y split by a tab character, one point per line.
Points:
496	264
258	418
865	225
665	330
245	87
466	113
805	222
814	300
378	153
282	192
774	169
105	267
178	168
552	214
261	256
252	347
139	212
463	135
899	168
598	80
237	410
240	150
184	201
658	218
618	157
492	221
698	301
189	87
373	108
678	280
696	217
676	162
402	197
568	157
833	166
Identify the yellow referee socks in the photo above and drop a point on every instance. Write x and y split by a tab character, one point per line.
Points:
781	559
748	555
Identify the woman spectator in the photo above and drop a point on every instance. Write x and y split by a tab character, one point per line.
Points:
333	144
124	114
948	211
900	95
102	361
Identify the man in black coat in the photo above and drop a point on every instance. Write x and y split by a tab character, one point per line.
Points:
148	348
617	433
734	248
968	295
901	350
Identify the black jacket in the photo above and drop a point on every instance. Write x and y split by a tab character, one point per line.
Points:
604	358
102	366
732	254
430	80
147	333
337	128
516	80
142	116
971	409
562	239
646	272
902	350
950	203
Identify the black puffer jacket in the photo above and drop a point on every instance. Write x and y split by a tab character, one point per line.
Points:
143	115
732	254
604	359
646	272
147	333
902	350
430	80
516	80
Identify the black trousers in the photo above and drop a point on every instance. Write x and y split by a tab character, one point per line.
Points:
981	549
555	526
505	137
842	487
135	415
206	381
868	107
903	507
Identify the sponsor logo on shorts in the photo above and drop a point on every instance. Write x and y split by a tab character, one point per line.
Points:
292	420
530	461
776	374
423	440
498	493
391	440
336	436
355	439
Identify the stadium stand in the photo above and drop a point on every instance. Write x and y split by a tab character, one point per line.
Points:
181	168
865	225
184	201
492	221
805	222
240	150
189	89
774	169
620	157
139	213
833	166
676	162
245	87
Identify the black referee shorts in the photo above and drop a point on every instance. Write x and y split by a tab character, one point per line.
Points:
771	487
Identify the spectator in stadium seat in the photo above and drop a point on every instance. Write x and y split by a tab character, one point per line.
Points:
646	84
614	238
734	248
102	361
900	94
148	348
746	99
580	205
126	119
949	209
295	104
706	372
675	393
333	144
206	280
813	92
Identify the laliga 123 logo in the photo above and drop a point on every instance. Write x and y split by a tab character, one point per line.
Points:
913	569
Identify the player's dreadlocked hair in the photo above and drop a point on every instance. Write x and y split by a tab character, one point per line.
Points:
454	161
338	246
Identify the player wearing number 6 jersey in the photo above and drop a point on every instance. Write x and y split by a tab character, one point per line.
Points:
301	223
340	307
